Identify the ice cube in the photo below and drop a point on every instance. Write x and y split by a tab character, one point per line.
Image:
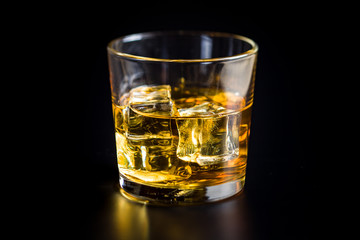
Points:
208	138
149	127
202	109
150	94
147	106
152	99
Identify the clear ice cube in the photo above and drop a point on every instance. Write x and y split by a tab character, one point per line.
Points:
145	101
206	138
152	99
202	109
150	94
148	131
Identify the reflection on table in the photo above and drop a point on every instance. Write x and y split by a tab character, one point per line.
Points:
124	219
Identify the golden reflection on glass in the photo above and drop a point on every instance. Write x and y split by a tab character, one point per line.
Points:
131	220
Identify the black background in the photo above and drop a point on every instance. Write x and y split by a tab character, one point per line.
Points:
283	192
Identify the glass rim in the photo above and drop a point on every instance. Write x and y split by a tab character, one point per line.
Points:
139	36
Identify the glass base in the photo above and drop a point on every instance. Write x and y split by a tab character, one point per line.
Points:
175	196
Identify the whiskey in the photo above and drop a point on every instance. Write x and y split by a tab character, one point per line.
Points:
181	137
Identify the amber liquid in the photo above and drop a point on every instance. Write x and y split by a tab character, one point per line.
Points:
181	138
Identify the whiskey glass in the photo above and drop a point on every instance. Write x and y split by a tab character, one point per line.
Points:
182	111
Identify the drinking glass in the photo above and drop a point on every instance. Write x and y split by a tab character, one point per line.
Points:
182	107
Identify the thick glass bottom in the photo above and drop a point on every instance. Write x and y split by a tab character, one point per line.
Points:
175	196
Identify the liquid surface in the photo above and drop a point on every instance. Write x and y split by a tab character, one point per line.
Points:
185	138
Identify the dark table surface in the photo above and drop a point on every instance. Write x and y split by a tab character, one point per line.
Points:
277	203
